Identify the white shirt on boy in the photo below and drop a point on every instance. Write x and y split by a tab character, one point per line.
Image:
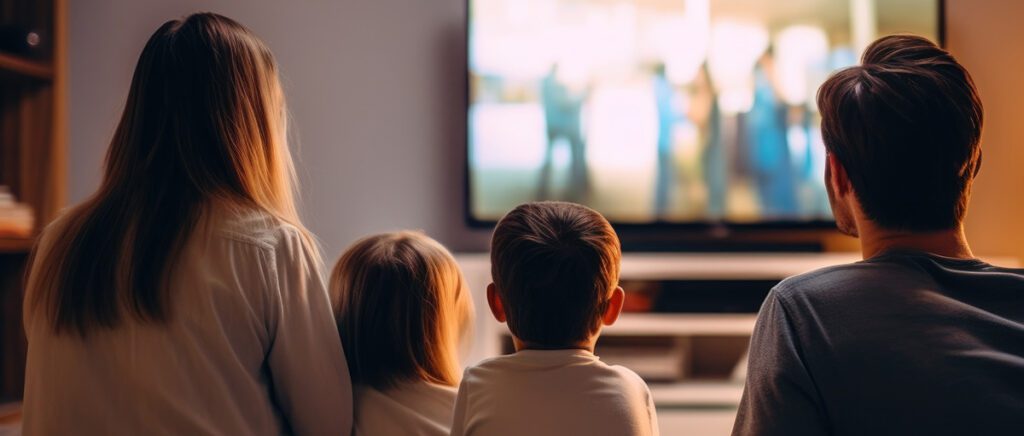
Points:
552	392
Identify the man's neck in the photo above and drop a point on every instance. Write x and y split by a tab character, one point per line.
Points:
947	243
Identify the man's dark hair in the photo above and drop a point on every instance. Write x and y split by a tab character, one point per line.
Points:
554	265
906	126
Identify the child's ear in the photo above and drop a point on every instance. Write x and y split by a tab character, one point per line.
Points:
494	301
611	313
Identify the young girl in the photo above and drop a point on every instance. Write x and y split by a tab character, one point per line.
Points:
403	308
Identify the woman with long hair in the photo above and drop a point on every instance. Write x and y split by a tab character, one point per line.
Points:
185	296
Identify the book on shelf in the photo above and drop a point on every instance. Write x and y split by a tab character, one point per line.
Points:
16	219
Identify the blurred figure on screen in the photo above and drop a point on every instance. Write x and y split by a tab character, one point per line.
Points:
664	100
708	117
562	114
768	145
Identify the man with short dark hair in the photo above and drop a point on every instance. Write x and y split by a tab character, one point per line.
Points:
920	337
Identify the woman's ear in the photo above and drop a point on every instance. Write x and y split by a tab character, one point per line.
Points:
615	301
494	302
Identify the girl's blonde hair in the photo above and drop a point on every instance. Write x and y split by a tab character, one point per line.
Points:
204	125
403	308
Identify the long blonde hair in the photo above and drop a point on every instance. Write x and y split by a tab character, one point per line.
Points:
403	308
204	125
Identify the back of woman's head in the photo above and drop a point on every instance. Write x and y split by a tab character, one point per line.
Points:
204	124
206	109
403	308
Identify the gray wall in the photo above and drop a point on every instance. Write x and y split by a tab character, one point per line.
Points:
375	90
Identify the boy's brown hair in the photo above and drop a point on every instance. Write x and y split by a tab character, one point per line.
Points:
554	265
906	126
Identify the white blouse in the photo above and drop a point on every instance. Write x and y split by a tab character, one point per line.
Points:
410	409
251	348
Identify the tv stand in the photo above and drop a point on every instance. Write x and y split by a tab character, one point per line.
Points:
686	330
722	246
737	240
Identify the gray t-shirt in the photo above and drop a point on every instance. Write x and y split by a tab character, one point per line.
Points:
902	343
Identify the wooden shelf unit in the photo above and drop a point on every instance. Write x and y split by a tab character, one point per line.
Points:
10	417
11	64
16	245
33	122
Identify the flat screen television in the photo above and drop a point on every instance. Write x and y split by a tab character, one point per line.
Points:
663	112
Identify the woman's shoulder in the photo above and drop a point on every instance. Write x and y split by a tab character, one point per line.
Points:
252	226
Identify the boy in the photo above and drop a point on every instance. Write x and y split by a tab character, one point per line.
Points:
555	268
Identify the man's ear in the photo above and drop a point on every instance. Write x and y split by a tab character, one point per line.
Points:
494	302
838	178
614	308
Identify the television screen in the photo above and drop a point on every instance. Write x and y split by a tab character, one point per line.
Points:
663	111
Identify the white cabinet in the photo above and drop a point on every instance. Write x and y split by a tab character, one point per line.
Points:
700	396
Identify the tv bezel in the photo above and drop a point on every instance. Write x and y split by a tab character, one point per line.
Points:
709	229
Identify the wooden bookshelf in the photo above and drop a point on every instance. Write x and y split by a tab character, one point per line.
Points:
16	245
33	121
15	65
10	416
